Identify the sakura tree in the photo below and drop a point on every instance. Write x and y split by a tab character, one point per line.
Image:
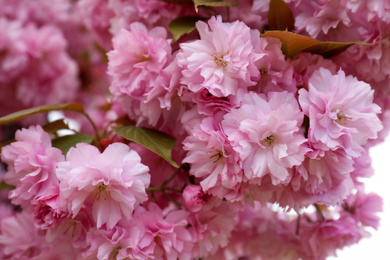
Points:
194	129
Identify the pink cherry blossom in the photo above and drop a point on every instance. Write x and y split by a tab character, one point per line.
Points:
322	239
222	61
39	12
261	233
276	73
96	16
156	12
111	183
305	64
192	195
19	238
138	57
51	76
364	207
167	233
322	178
330	20
341	112
211	228
47	210
14	49
31	166
213	159
123	241
265	132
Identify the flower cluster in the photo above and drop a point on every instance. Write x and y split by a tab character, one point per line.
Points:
203	136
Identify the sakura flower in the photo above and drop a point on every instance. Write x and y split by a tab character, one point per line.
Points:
123	241
96	16
369	63
211	228
19	238
261	233
166	233
34	66
364	208
157	12
265	132
160	105
150	234
319	17
322	178
31	166
213	159
48	211
51	75
138	57
192	195
305	64
13	48
222	61
276	74
111	183
321	239
38	12
341	112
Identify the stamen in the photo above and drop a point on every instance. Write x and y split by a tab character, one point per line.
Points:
141	57
263	74
341	118
114	253
219	60
218	155
269	141
100	191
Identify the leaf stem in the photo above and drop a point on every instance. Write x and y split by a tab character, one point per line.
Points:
165	183
174	190
298	224
172	199
97	136
319	212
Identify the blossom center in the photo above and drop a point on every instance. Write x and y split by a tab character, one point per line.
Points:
219	59
114	253
340	116
101	192
217	155
263	74
142	57
269	141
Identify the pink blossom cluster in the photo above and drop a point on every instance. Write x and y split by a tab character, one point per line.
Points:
35	66
271	149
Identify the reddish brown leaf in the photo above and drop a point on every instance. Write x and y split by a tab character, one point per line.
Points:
280	16
293	44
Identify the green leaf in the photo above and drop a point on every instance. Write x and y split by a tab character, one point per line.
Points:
41	109
213	3
64	143
183	25
54	126
293	44
280	16
156	141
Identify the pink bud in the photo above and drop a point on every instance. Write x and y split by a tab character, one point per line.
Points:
193	197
